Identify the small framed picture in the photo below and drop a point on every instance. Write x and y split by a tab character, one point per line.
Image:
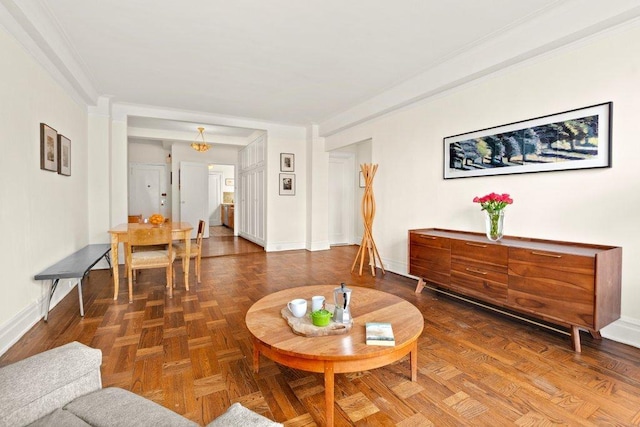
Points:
64	155
228	182
361	180
48	148
287	184
287	162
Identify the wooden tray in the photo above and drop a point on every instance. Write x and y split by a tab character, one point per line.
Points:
303	325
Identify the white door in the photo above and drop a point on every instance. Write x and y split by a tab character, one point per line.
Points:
194	195
215	198
341	212
147	184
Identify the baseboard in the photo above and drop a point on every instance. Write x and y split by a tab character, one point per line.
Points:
18	325
319	246
625	330
291	246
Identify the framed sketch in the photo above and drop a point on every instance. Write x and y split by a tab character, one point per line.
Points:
48	148
576	139
286	162
287	184
361	182
64	155
228	182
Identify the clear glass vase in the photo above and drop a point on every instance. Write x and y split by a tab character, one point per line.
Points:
494	222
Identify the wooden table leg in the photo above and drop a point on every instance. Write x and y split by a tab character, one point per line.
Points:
328	392
187	257
256	356
413	357
114	264
575	338
420	286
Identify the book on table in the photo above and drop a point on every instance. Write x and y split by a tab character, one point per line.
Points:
379	333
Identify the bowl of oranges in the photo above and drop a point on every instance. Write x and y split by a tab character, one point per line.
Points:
156	219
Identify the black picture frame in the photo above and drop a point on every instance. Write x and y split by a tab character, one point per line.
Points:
575	139
64	155
48	148
287	162
287	184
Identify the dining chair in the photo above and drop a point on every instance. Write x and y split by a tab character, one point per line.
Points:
195	251
134	219
146	235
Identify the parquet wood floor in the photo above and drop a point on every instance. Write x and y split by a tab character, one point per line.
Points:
192	354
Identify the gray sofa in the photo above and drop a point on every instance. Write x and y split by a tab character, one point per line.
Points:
63	387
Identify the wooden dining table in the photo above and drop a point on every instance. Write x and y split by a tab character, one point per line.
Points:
119	234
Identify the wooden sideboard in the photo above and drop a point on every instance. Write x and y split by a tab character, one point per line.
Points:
570	284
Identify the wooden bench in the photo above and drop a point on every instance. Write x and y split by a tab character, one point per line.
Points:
75	266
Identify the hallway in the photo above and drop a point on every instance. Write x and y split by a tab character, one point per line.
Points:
222	242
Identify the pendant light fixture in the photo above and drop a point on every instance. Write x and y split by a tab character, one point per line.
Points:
200	146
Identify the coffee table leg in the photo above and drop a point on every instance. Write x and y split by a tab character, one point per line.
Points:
328	392
256	356
413	357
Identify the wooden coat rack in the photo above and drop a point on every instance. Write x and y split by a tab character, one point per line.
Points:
368	210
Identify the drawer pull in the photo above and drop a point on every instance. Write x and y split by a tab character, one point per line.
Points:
547	255
428	237
477	245
473	270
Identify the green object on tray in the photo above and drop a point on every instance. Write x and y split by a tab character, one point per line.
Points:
321	317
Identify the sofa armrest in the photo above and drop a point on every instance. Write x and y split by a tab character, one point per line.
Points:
40	384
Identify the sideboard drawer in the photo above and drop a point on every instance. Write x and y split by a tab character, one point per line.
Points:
432	264
492	255
429	240
479	282
558	285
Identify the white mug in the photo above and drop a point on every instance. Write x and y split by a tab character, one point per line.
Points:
298	307
317	302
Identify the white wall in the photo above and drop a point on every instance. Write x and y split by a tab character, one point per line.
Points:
43	215
286	226
592	206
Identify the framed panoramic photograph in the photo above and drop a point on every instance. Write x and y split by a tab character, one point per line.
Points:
286	162
48	148
64	155
229	182
576	139
287	184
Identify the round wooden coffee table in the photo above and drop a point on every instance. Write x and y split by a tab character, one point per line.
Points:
334	354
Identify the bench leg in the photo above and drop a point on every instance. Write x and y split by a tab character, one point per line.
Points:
53	284
80	296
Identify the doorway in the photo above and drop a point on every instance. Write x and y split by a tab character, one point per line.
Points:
194	195
147	189
215	198
341	200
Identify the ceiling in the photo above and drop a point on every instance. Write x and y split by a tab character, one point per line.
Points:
285	61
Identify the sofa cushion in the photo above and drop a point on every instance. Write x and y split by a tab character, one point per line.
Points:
55	378
59	417
115	407
238	415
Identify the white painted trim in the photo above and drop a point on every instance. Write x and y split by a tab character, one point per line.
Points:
33	25
519	44
625	330
20	324
319	246
292	246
